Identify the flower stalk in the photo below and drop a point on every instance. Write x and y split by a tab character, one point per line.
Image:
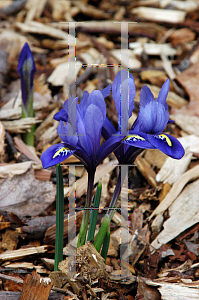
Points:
59	239
103	231
86	215
94	213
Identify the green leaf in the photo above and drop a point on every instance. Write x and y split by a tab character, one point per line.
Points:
106	244
59	218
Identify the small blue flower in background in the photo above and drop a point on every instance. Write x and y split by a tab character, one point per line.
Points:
83	136
152	120
26	68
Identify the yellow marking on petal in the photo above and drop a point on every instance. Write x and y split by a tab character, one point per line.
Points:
167	139
59	151
134	136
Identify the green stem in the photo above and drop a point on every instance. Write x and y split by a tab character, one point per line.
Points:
28	136
59	218
94	213
108	217
85	220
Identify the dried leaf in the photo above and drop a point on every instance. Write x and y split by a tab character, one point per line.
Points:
189	80
189	124
26	196
65	73
14	169
152	49
173	168
184	213
21	125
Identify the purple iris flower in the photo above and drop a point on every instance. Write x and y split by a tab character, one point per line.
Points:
123	92
26	68
81	137
152	119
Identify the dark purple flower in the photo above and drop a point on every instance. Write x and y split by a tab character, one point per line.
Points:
123	92
152	120
81	137
26	68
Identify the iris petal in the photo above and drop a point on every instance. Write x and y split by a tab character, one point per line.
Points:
26	68
146	96
108	147
66	133
106	91
123	91
94	120
83	103
55	155
108	129
152	118
167	144
83	140
163	94
61	116
138	140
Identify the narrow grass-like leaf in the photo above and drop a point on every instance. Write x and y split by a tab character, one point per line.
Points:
102	233
106	244
94	214
59	218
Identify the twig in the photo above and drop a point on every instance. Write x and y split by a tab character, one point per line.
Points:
12	8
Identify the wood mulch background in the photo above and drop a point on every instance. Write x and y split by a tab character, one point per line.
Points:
163	234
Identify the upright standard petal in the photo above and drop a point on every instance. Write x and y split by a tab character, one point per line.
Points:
66	133
93	124
108	129
164	93
153	115
146	96
26	68
106	91
123	92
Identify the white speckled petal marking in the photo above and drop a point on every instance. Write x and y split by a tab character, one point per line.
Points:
165	138
61	151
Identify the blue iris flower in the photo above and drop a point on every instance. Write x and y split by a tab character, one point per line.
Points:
152	119
26	68
123	92
82	136
146	132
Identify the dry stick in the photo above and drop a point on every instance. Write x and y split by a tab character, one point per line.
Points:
3	67
18	280
116	32
185	63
